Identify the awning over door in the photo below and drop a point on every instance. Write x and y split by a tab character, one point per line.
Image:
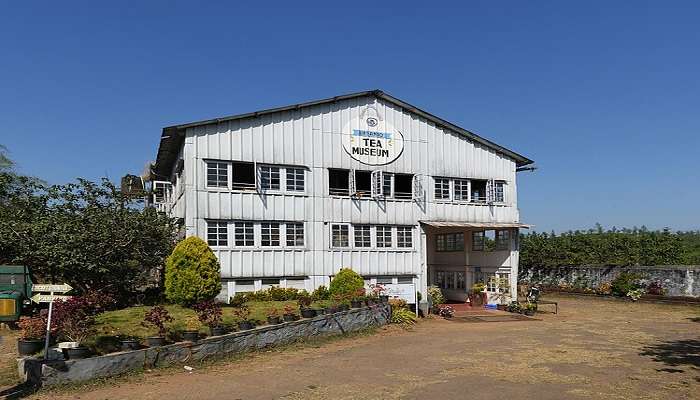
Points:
482	225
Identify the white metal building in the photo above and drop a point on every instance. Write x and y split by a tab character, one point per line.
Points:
288	196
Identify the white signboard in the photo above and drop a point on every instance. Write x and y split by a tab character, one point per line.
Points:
371	140
404	291
48	298
49	287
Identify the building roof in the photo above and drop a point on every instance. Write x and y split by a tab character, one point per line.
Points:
172	136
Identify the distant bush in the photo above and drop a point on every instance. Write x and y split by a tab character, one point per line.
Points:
272	294
321	293
346	283
192	273
624	283
435	293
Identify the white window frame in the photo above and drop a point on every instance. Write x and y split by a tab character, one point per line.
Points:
295	179
218	168
377	184
384	228
407	231
331	243
218	225
499	187
167	189
271	239
461	186
243	225
266	173
442	188
369	236
294	233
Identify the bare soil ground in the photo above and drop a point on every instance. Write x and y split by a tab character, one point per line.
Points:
592	349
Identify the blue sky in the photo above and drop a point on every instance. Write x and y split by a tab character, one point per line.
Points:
604	96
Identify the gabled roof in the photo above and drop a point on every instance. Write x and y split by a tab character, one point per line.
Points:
172	136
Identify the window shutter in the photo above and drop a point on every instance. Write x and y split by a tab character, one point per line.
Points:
418	192
377	184
352	187
490	191
258	180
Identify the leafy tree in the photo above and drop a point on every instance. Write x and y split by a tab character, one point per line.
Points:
192	273
86	234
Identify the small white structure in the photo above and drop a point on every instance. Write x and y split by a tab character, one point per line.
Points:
288	196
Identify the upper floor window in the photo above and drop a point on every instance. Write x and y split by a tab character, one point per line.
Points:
295	234
478	191
478	241
404	236
269	178
461	189
384	238
269	234
449	242
295	179
442	189
502	239
217	233
244	234
340	234
217	174
375	184
243	176
499	191
339	182
363	236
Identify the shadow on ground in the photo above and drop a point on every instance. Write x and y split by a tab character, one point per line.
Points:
19	391
675	353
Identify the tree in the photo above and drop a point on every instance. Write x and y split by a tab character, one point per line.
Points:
89	235
192	273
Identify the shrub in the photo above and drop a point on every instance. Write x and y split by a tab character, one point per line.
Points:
32	327
446	311
304	299
656	288
242	313
435	293
209	313
624	283
156	317
635	294
73	319
321	293
192	273
397	303
239	299
346	283
402	316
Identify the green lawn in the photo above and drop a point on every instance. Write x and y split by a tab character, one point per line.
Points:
127	322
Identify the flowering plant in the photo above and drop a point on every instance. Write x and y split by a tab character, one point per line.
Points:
242	313
446	311
304	300
635	294
376	290
156	317
288	309
272	312
32	327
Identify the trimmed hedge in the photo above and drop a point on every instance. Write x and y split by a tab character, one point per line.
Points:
346	283
192	273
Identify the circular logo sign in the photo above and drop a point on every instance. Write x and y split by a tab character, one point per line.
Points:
371	140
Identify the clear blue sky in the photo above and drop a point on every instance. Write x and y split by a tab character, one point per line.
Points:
605	96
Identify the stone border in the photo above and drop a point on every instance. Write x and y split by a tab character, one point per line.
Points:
40	373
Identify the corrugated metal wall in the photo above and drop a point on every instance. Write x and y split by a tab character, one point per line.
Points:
311	137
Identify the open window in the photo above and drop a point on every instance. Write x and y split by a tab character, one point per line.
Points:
377	184
243	176
478	191
403	186
161	191
339	182
418	191
363	183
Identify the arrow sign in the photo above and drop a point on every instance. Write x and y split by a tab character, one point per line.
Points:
48	287
48	298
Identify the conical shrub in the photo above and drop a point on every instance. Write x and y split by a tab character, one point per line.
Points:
192	273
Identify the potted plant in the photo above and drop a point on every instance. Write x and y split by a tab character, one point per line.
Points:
304	302
435	298
374	293
242	315
358	299
530	309
74	323
477	297
191	332
210	314
129	343
288	313
514	307
446	311
156	318
31	337
273	316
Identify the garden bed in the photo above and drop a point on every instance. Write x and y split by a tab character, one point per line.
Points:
41	372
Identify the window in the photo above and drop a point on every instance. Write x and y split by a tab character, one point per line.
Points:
269	234
269	178
242	176
502	240
404	236
405	279
217	233
461	189
295	234
340	235
442	188
384	236
478	191
363	183
450	242
460	280
387	180
161	191
295	179
385	280
498	191
403	186
362	236
217	174
244	235
339	182
478	241
440	279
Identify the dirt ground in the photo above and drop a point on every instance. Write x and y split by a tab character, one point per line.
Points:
591	349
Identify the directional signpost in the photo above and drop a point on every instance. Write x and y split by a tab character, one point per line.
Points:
49	298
